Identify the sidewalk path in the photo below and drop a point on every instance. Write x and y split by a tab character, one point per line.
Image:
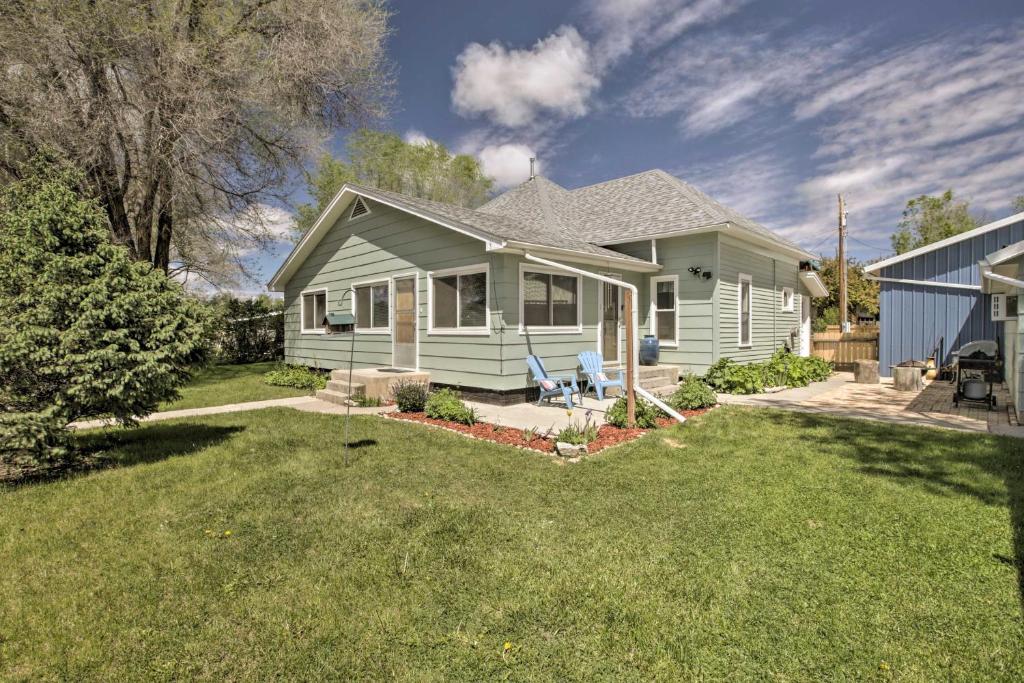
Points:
304	403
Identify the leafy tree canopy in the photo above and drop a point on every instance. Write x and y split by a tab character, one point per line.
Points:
929	219
85	329
1018	203
386	161
862	293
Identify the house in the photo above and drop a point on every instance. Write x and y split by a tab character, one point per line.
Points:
941	296
451	291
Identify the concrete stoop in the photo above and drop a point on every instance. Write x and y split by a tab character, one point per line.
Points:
370	382
656	378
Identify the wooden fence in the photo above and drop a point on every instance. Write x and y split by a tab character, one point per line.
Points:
843	348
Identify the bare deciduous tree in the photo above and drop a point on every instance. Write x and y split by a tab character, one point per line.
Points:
187	115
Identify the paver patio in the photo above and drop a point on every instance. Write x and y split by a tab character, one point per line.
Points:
931	407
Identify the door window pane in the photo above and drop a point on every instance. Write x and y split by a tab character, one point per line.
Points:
473	300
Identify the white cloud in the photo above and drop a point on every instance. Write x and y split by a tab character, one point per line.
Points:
624	25
416	137
508	163
514	87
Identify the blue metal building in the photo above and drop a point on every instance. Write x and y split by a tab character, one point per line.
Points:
932	299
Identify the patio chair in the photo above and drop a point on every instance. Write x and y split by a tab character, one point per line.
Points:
595	376
553	386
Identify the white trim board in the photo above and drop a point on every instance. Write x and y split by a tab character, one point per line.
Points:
995	225
927	283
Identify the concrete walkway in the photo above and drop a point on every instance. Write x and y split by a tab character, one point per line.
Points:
304	403
544	416
931	407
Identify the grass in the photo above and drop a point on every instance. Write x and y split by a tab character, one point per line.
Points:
821	549
220	385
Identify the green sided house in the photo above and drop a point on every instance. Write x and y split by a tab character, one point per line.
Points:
453	292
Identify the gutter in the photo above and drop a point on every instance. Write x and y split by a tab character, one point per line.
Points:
1005	279
634	322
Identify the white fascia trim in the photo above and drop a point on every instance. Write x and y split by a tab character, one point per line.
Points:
927	283
432	331
583	257
674	279
1005	279
491	242
566	329
664	235
1009	220
302	311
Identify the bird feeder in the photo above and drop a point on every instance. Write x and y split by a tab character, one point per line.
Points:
339	323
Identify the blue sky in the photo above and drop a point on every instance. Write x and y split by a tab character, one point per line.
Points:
771	107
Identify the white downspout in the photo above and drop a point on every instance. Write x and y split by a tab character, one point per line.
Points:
635	322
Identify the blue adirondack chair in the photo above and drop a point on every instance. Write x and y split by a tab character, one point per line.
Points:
595	376
553	386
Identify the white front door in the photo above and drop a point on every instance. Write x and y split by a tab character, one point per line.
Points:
805	325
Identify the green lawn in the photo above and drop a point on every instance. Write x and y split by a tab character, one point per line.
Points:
746	544
219	385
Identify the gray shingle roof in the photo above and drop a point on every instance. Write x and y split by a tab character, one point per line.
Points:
637	206
495	225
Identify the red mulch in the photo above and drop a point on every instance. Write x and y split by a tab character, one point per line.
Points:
607	435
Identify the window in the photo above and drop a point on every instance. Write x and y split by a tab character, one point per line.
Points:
371	307
787	299
1004	307
745	310
549	301
314	309
664	319
458	301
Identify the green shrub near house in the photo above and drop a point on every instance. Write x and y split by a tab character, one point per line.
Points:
296	376
410	396
692	394
784	368
445	404
646	414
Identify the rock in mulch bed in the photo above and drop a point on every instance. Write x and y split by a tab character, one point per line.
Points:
607	435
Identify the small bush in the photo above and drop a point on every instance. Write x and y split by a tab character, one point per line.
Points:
578	434
410	396
646	414
445	404
692	394
783	369
297	376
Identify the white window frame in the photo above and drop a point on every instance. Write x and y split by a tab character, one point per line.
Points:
359	198
998	307
483	331
318	329
740	279
355	314
787	307
549	329
653	314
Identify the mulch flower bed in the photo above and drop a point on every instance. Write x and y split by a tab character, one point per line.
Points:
607	435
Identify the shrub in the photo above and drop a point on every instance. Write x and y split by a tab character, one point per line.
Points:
692	394
783	369
445	404
718	376
247	331
646	414
578	434
85	329
296	376
410	396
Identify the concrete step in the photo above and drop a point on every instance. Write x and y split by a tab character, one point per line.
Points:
341	386
663	390
332	396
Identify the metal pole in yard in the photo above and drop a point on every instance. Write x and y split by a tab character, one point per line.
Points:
630	391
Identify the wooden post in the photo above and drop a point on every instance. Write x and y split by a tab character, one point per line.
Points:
630	392
843	306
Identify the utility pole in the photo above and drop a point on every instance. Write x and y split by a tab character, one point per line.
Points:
844	324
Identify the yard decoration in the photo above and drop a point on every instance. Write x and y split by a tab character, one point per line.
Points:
85	329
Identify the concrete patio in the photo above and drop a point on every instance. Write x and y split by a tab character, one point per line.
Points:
931	407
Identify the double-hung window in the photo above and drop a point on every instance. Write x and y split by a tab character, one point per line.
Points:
458	301
745	310
664	319
372	306
314	310
786	302
549	301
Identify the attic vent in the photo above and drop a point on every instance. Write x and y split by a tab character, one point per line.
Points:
359	208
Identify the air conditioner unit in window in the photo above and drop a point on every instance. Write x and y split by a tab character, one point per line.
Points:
1004	307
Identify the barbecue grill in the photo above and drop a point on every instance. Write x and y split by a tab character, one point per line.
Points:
978	367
